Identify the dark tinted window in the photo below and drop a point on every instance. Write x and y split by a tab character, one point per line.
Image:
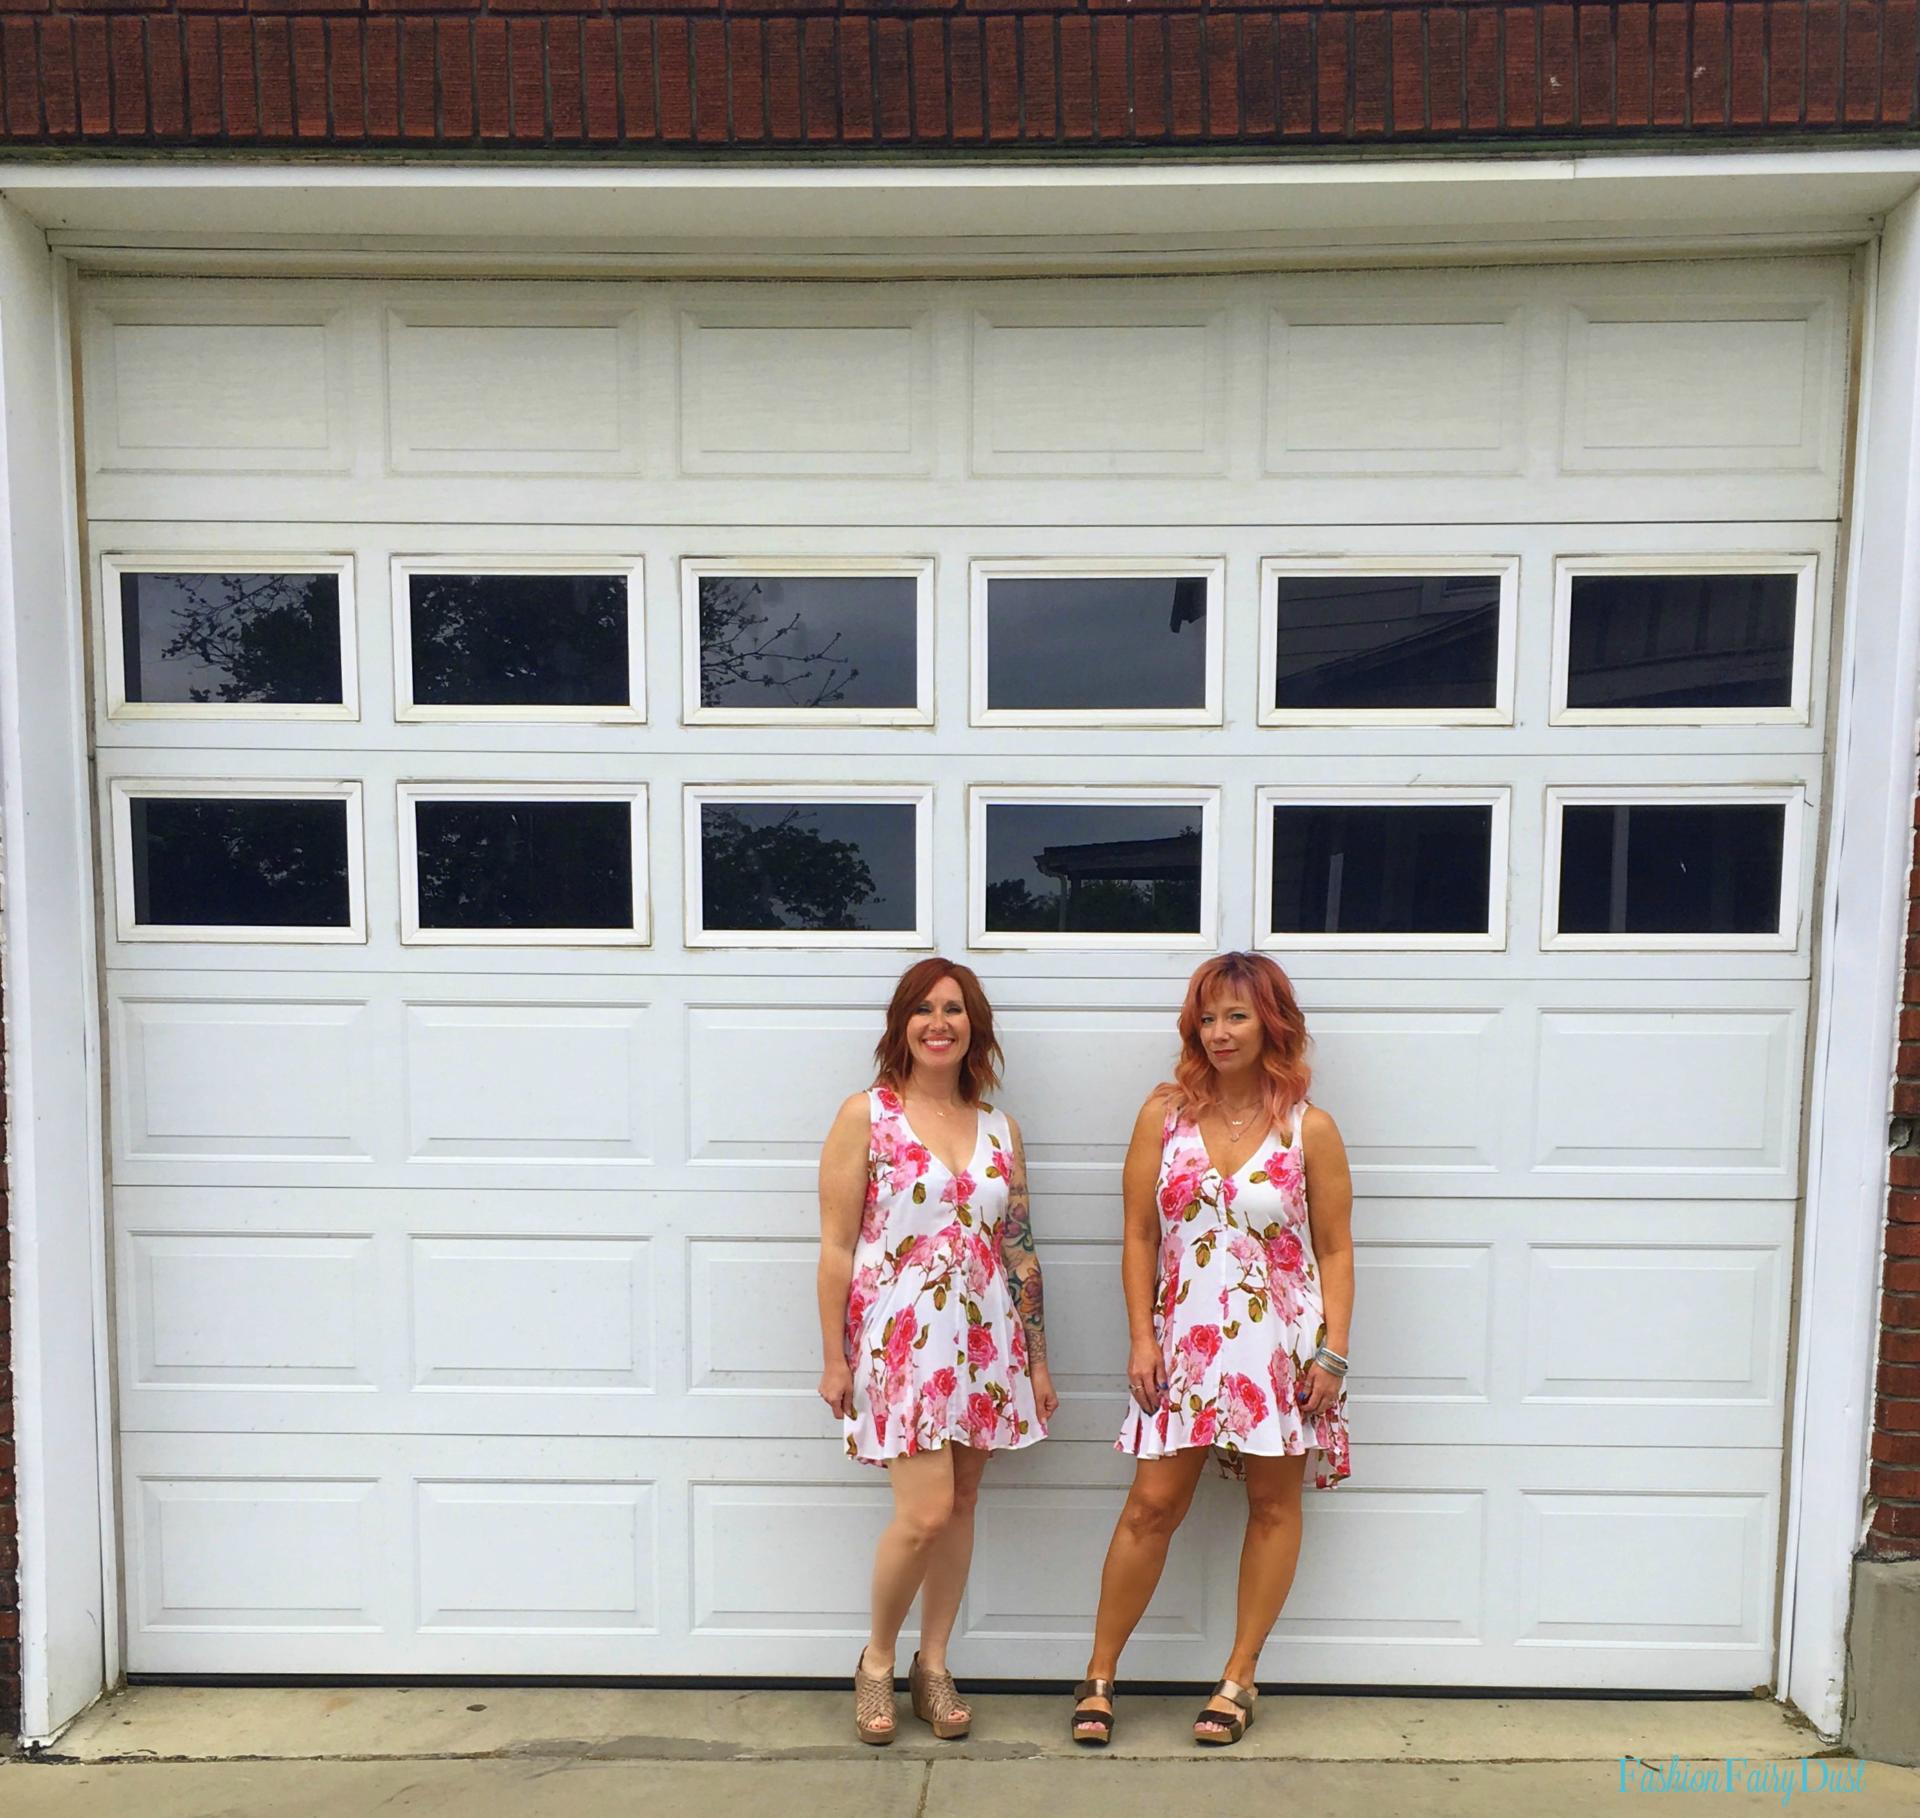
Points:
225	862
1382	869
227	639
1115	643
1092	868
519	640
1681	640
1671	869
820	867
525	864
1360	643
773	641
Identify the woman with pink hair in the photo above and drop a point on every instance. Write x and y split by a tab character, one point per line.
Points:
1238	1269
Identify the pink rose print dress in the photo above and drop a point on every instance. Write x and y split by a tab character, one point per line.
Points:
1238	1311
936	1349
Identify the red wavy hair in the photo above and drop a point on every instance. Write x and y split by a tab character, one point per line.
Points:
979	1066
1284	1058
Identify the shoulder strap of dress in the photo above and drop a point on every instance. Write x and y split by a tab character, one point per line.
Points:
1299	1120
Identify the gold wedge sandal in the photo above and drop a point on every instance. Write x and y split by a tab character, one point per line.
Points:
1224	1728
1099	1722
937	1701
873	1713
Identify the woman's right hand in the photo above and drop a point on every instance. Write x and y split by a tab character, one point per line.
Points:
836	1389
1146	1374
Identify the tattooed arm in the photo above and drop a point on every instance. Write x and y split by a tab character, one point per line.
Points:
1023	1273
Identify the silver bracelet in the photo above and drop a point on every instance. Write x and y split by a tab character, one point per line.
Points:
1331	1361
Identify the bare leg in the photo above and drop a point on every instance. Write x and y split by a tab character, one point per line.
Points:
922	1503
1268	1557
1157	1503
947	1563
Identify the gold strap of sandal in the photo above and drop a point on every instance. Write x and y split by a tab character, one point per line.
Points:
872	1696
1233	1724
942	1695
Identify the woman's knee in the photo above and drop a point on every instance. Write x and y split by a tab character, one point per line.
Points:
925	1518
1154	1513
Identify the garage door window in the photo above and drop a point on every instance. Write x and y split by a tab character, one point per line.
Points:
1394	869
1093	868
229	641
1133	644
818	866
557	642
782	642
1696	868
564	864
210	861
1686	641
1419	642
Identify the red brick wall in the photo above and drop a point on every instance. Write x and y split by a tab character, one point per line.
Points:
477	75
1894	1477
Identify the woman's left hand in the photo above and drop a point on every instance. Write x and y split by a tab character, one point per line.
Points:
1323	1390
1044	1399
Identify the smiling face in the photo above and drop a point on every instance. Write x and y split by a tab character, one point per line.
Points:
937	1029
1231	1034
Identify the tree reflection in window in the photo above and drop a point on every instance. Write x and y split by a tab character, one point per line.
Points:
229	639
519	640
819	867
807	641
1070	868
239	862
524	864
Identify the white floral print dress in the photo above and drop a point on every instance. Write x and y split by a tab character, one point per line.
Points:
1237	1310
936	1349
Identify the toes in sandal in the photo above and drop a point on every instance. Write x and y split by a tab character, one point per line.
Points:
872	1703
1098	1725
937	1701
1218	1729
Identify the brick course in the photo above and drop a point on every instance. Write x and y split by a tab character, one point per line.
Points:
1893	1477
881	75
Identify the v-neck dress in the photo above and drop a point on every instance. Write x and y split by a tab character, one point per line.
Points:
1237	1310
937	1351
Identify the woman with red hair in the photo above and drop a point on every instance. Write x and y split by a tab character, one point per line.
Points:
1238	1269
931	1320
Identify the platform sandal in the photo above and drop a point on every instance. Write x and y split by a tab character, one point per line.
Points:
1099	1721
937	1701
873	1712
1226	1727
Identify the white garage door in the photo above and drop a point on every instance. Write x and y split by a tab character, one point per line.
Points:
536	722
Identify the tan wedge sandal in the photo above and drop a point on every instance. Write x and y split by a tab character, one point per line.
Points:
937	1701
1223	1728
873	1712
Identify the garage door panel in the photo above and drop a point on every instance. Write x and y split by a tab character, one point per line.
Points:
483	1274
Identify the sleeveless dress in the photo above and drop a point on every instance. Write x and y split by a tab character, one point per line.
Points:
936	1348
1237	1310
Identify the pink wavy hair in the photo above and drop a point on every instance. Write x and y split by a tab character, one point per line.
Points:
1269	991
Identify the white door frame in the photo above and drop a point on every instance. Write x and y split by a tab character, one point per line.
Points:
70	1648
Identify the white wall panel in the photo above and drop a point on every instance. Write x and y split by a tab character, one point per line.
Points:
1392	1565
793	1066
511	1082
804	392
752	1323
1423	1321
1710	1092
241	1309
532	1312
1672	1568
1128	390
471	392
1395	396
225	1078
231	1553
815	1581
554	1556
